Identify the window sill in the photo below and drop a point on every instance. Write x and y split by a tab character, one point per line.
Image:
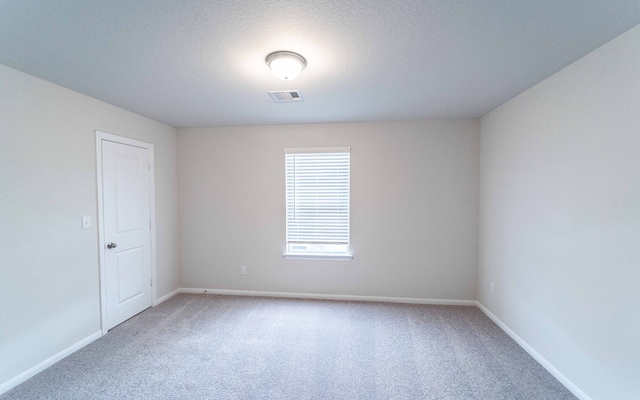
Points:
318	257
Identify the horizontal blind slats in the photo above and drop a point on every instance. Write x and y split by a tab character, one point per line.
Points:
317	196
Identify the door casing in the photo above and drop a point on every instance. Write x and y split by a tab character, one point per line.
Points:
100	137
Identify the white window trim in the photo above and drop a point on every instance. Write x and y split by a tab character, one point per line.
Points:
318	257
311	256
319	150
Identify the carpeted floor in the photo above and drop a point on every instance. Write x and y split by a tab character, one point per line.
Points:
226	347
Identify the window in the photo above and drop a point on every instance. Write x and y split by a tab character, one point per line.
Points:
317	195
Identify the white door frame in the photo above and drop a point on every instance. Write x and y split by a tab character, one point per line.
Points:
101	136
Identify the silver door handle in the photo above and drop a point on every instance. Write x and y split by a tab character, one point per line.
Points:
111	245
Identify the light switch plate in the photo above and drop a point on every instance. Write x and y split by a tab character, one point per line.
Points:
86	221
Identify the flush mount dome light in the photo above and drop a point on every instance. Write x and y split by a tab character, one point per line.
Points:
286	64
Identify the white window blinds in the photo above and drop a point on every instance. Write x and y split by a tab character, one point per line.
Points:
317	184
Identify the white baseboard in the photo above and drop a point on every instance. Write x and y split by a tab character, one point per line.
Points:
166	297
537	356
343	297
11	383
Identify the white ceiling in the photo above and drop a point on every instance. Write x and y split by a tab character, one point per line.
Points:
200	63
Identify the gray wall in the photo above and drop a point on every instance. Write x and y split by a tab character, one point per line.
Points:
49	285
414	209
560	218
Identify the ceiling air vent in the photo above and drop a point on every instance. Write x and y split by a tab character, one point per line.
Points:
286	96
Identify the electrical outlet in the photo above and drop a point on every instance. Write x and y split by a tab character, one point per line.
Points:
492	288
243	270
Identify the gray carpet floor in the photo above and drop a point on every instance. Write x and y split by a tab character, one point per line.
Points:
227	347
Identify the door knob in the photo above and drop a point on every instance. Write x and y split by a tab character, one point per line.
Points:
111	245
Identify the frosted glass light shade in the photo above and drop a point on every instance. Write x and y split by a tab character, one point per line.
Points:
285	64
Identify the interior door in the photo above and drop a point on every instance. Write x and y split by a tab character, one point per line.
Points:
127	230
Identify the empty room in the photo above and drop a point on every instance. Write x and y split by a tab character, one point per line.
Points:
281	199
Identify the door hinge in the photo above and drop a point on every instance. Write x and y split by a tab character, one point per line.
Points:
149	167
151	282
149	224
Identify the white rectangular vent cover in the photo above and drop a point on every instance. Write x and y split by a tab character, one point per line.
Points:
286	96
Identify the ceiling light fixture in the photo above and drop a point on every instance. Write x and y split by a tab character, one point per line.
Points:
286	64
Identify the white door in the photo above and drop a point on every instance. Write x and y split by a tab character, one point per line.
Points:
127	234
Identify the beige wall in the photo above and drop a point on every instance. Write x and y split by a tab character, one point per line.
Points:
49	286
414	209
560	218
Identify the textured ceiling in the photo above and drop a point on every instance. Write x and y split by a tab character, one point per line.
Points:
200	63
